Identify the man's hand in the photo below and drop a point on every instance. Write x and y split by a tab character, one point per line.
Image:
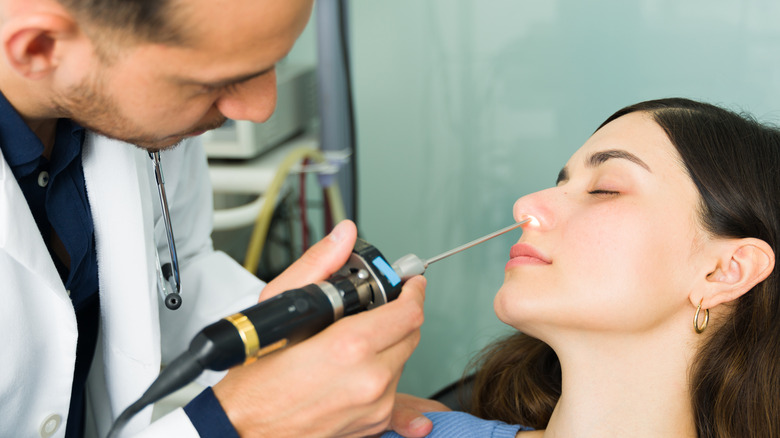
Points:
318	263
340	382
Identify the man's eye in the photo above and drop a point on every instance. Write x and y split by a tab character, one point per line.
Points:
230	88
227	88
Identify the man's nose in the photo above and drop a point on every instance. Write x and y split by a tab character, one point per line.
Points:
253	100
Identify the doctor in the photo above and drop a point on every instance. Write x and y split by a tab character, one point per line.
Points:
81	81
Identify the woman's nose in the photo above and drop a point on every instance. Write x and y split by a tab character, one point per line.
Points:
537	207
253	100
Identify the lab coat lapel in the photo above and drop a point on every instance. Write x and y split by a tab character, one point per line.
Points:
123	237
19	235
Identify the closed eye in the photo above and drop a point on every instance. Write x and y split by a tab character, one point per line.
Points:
600	192
230	88
228	85
227	88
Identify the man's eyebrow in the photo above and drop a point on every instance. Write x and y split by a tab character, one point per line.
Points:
601	157
232	80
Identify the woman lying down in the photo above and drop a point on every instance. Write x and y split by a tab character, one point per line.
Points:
644	290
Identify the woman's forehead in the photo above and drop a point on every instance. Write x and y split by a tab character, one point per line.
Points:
635	137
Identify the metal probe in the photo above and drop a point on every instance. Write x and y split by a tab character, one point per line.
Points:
410	265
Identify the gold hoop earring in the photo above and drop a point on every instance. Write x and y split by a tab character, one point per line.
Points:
696	318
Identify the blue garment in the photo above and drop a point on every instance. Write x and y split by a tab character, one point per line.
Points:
455	424
208	417
56	193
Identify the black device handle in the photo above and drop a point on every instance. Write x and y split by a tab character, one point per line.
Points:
283	320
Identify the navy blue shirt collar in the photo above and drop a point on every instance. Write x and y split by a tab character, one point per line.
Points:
22	149
19	144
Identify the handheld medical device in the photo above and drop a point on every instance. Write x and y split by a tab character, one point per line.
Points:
366	281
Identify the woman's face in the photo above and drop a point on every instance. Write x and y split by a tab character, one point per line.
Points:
615	246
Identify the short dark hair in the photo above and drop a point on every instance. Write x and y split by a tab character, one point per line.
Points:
137	20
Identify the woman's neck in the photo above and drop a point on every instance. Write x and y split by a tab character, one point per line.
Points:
625	385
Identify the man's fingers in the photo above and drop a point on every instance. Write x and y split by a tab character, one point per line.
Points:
318	263
408	419
382	338
409	422
388	324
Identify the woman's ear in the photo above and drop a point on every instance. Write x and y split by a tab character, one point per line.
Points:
741	264
33	42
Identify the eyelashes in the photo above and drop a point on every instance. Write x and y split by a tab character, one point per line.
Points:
600	192
228	88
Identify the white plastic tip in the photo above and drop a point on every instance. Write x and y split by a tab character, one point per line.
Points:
534	222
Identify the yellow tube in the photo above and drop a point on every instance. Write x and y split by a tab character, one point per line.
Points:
263	221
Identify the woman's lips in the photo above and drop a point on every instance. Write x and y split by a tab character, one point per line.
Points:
524	254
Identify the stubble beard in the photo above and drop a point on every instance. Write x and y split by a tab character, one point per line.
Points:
89	105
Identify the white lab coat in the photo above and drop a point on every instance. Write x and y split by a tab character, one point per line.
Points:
37	320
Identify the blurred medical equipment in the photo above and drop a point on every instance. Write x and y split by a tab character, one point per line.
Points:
255	247
263	182
366	281
168	278
336	107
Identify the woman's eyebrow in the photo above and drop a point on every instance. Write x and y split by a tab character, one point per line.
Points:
600	158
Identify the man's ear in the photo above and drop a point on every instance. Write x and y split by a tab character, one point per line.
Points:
740	265
32	42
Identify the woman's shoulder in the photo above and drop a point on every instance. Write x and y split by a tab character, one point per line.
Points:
453	424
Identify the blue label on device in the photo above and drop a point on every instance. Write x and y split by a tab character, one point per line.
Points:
389	273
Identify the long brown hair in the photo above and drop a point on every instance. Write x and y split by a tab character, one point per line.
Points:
734	162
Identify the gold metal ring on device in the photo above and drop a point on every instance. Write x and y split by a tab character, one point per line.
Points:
248	334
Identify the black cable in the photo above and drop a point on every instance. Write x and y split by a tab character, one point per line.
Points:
180	372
